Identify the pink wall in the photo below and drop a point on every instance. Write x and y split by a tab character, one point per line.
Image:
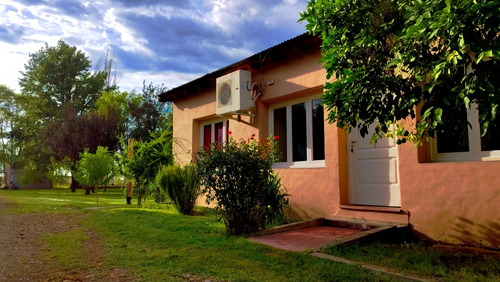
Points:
452	201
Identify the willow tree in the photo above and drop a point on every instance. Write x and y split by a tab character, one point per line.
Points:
424	61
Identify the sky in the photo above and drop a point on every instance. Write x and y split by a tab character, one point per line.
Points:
168	42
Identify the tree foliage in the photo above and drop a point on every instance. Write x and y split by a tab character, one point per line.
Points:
71	135
391	60
57	75
149	157
58	171
148	115
95	169
10	145
54	78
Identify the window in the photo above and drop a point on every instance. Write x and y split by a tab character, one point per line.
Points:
459	138
300	127
214	132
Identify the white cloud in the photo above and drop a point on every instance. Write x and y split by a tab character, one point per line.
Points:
133	81
132	42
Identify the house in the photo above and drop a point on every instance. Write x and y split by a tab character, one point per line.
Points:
443	195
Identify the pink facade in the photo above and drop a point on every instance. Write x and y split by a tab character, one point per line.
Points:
451	201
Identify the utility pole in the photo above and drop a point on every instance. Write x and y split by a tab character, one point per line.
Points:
130	180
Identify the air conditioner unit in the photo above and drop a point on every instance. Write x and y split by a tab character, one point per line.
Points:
233	92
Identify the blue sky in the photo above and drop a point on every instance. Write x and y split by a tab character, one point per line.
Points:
169	41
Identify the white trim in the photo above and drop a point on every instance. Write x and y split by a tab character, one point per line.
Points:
309	163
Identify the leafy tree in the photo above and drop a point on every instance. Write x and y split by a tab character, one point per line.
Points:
148	115
95	169
93	130
9	111
57	75
54	77
397	59
58	171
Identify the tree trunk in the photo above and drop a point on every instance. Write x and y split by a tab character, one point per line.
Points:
74	185
87	190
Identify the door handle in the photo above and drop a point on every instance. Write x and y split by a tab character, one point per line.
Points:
353	144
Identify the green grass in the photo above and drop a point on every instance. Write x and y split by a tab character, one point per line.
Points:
159	244
58	200
410	256
66	248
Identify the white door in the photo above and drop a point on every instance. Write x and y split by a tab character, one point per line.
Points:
374	179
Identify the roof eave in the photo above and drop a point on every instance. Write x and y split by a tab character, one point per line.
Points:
251	62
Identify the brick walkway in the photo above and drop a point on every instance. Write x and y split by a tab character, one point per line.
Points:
306	238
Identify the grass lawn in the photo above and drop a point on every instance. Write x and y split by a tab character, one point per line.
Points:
436	261
159	244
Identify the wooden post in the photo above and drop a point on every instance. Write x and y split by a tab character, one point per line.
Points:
130	155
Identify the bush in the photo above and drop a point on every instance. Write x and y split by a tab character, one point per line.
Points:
240	178
182	186
149	157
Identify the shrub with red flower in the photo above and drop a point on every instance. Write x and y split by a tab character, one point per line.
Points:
239	178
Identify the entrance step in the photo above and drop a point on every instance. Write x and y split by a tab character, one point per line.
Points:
318	233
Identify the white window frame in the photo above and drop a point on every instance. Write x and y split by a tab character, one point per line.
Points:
212	134
309	163
475	153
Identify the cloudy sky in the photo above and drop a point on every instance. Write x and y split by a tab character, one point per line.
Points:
160	41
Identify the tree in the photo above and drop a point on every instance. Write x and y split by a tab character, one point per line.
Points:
8	126
93	130
57	75
53	78
95	169
58	171
148	115
401	60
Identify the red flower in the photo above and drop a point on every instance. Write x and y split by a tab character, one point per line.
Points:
229	132
276	138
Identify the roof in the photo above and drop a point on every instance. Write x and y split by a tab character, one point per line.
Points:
255	61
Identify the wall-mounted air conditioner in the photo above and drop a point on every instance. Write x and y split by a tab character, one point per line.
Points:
233	92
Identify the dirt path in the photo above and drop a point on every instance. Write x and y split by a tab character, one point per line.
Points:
22	254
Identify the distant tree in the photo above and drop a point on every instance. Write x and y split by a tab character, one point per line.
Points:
57	172
396	60
93	130
53	78
94	170
9	111
148	115
57	75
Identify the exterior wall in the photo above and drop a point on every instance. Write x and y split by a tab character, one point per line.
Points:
452	202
